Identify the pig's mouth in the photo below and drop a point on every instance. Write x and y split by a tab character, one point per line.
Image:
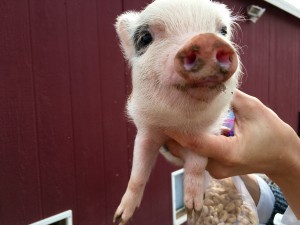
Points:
210	81
205	82
203	89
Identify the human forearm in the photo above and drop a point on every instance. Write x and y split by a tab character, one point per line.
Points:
290	186
288	175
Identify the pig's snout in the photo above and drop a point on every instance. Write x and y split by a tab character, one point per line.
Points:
206	57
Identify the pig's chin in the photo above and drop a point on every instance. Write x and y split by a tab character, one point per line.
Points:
201	91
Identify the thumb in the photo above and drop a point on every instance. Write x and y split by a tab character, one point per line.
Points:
208	145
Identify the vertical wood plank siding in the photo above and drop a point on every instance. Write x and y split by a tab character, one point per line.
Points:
20	190
51	69
82	20
65	142
113	96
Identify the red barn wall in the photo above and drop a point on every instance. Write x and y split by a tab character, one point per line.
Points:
64	140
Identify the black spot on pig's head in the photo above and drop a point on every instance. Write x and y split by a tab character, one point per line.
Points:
142	38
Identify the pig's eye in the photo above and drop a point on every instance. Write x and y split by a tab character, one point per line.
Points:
223	30
142	38
145	39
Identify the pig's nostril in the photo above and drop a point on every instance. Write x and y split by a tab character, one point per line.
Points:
224	58
191	58
190	61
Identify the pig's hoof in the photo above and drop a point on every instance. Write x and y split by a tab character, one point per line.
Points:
117	218
122	216
120	219
193	205
193	216
194	202
124	212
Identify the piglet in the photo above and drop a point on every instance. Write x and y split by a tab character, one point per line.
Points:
185	70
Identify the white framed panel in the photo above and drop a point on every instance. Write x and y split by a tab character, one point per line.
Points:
178	209
290	6
67	216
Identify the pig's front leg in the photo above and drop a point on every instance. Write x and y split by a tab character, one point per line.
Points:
146	150
194	170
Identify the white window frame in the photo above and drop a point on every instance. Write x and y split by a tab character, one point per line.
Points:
67	215
286	6
179	214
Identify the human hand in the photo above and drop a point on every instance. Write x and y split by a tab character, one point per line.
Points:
262	142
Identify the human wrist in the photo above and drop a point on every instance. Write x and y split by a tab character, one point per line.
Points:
286	160
287	174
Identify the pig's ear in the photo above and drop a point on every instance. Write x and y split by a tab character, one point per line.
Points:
125	29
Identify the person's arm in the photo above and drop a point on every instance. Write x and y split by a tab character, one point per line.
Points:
290	186
263	143
252	187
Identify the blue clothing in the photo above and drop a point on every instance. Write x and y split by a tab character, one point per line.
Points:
280	202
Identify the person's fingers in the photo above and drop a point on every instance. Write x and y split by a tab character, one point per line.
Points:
217	170
245	106
220	169
240	99
208	145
